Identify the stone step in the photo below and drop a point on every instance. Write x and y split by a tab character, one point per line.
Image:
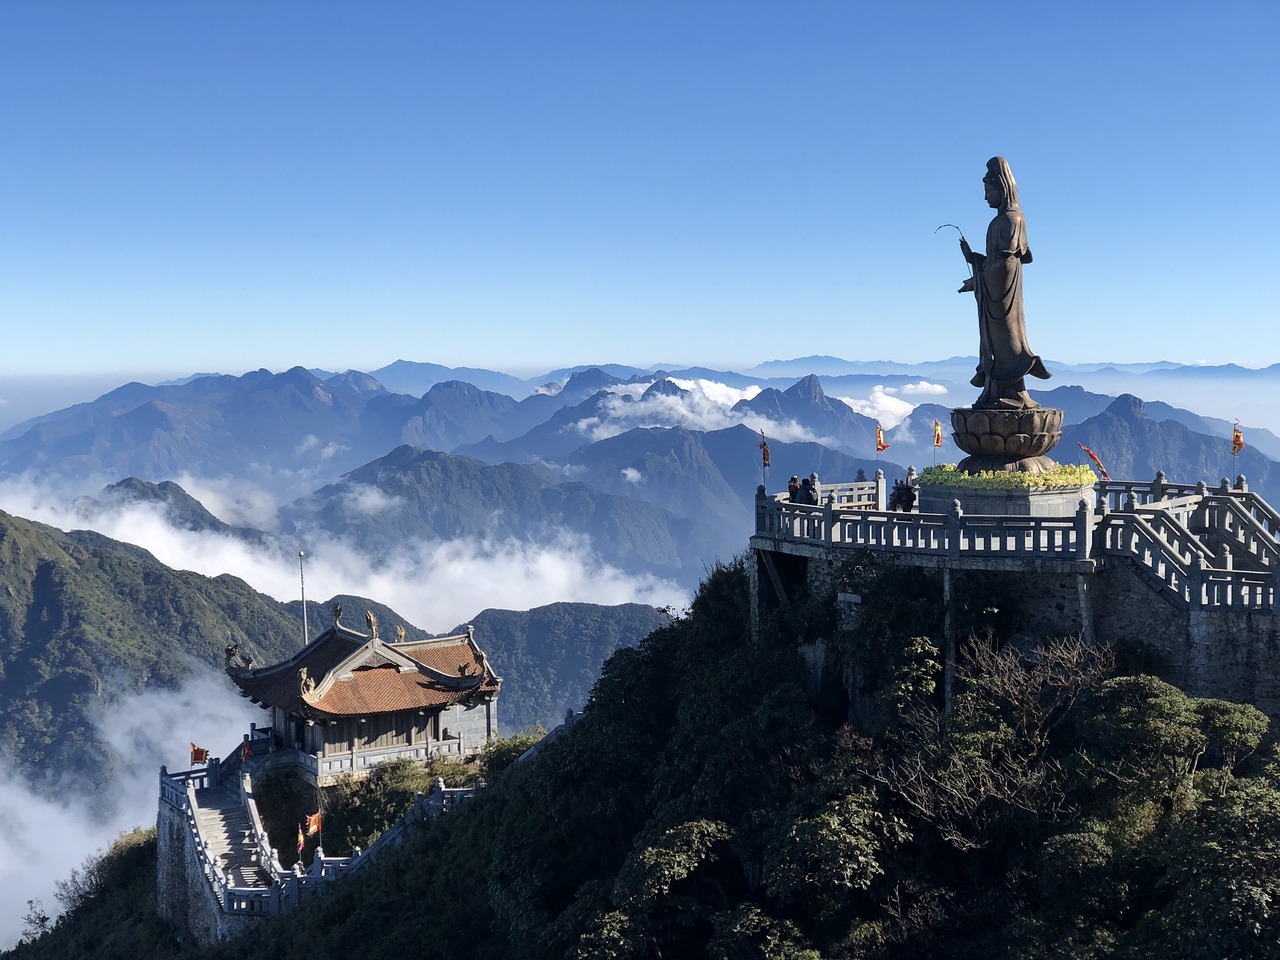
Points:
227	834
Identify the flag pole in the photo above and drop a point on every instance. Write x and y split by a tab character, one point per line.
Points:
302	582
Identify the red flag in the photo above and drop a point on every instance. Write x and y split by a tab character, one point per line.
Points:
246	751
881	446
937	433
1102	471
1237	439
764	451
302	842
313	823
199	755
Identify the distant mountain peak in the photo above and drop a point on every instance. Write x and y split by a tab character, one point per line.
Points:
1128	407
590	381
664	388
357	382
808	388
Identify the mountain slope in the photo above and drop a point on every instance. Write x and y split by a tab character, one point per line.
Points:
549	657
1133	447
84	619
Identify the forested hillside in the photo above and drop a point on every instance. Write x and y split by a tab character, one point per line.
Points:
707	805
84	618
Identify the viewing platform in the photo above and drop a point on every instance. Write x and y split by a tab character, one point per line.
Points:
1200	547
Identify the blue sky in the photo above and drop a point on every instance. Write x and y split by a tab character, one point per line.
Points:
224	186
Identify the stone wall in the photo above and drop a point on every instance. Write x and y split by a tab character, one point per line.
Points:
184	897
1224	654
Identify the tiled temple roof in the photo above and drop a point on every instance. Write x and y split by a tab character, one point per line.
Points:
351	674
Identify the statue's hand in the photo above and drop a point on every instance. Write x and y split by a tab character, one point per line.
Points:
965	248
966	287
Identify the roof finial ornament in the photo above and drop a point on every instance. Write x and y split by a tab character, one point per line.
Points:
371	621
306	685
337	614
399	633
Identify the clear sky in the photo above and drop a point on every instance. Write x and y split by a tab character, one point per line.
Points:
204	186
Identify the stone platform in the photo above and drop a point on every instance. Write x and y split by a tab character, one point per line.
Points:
1061	502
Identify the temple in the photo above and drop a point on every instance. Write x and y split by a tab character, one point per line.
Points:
348	701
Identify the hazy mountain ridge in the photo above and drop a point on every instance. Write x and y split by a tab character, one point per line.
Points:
421	494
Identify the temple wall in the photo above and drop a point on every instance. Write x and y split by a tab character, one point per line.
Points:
476	724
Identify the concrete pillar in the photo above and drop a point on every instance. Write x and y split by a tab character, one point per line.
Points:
1084	531
1195	579
882	502
953	529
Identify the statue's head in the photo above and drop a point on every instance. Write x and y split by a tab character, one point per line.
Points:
1002	189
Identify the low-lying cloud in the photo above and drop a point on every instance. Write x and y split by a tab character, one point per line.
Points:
434	584
44	836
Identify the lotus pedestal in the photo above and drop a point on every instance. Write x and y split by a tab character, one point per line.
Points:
1005	441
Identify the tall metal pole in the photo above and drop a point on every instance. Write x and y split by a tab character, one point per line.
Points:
302	582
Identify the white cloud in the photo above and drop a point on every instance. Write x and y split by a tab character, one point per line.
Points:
434	584
632	475
706	405
369	501
921	388
233	500
882	405
42	838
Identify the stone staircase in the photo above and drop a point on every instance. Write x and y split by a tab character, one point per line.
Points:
228	835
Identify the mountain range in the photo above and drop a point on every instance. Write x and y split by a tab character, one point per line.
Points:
656	470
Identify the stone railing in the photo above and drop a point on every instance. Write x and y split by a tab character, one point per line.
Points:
287	888
952	534
1117	493
323	767
1244	525
1169	531
178	790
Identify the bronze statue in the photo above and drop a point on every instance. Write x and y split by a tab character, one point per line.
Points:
1004	358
